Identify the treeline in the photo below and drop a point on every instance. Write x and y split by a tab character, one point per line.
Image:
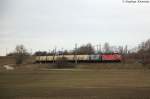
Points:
140	53
86	49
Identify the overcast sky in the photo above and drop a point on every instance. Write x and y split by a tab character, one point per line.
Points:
44	24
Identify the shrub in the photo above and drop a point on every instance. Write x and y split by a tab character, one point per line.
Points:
20	54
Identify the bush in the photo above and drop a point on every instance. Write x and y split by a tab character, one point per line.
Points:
20	54
20	58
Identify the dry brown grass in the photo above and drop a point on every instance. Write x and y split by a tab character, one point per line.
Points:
75	84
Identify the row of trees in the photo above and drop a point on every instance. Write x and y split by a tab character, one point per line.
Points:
87	49
84	49
142	52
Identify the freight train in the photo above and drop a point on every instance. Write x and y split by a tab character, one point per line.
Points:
103	57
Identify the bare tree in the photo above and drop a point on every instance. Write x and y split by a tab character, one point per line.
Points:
20	54
120	49
125	49
106	47
20	49
86	49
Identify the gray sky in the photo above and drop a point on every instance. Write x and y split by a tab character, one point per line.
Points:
43	24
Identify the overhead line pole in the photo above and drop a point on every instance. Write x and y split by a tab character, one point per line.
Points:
54	54
97	48
76	54
100	48
6	52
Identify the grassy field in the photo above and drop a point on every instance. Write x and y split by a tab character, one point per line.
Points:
75	84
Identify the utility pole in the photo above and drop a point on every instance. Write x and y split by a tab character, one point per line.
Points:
49	51
62	49
54	53
31	52
76	53
6	52
100	48
40	58
97	48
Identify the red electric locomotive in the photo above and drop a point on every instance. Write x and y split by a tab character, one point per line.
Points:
111	57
